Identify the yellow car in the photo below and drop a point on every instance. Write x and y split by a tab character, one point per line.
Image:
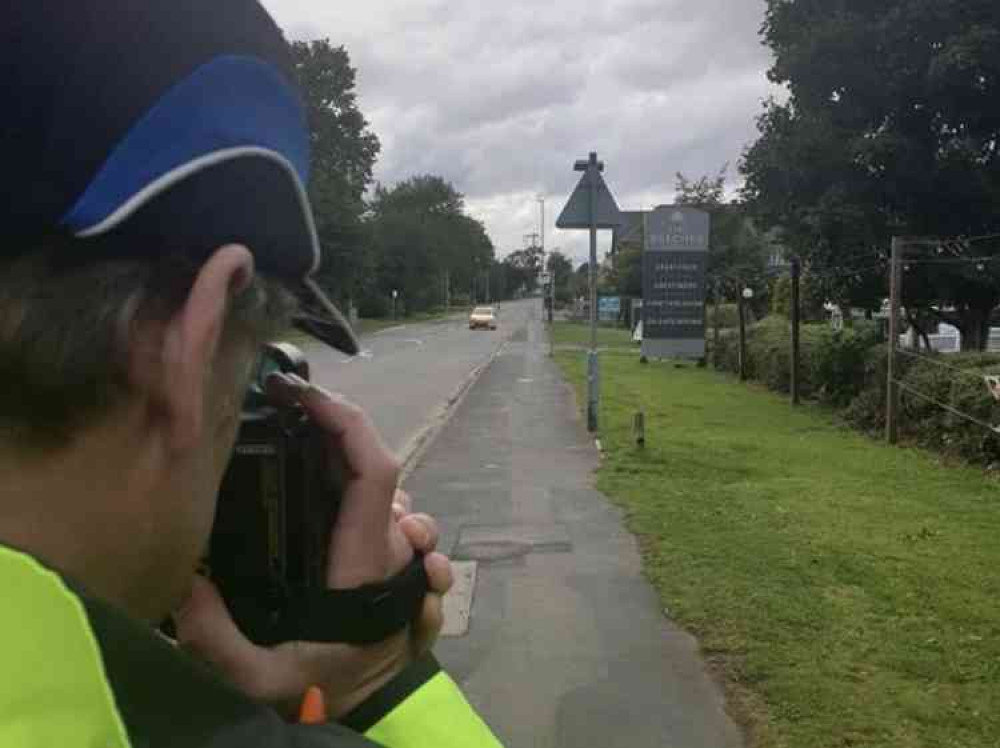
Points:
483	317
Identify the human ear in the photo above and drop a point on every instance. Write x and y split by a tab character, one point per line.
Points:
191	340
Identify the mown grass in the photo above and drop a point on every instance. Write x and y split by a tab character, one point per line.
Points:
578	334
847	592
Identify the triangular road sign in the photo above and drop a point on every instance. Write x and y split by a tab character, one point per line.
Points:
576	214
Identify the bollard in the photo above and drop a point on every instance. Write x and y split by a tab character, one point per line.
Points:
639	429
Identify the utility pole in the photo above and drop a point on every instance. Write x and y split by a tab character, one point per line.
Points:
447	290
796	314
895	295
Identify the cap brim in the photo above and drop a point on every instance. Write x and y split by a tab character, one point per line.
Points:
320	318
244	196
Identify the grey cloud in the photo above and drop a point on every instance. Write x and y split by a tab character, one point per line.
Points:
501	97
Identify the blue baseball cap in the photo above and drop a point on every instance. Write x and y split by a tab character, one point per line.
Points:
141	126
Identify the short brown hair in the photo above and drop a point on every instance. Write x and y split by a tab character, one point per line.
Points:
64	327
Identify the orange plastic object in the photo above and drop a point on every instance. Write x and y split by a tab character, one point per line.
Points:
313	711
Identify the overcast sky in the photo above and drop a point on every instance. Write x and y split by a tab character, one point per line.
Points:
501	96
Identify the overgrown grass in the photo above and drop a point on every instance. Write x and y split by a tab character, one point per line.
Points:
848	592
578	334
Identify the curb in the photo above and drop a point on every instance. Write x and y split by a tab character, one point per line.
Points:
418	445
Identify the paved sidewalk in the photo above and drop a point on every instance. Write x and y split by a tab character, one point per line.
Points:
567	645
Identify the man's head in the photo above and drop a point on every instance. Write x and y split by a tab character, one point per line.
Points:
155	233
123	381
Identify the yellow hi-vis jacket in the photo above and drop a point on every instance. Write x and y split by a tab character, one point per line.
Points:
79	673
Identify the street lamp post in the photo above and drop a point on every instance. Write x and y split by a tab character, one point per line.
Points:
745	297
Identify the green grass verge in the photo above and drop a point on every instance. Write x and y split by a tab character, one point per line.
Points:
575	333
848	592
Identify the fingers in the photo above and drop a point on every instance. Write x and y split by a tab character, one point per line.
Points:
439	573
403	500
421	530
363	450
360	550
427	630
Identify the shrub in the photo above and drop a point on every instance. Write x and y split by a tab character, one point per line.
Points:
729	316
848	370
832	362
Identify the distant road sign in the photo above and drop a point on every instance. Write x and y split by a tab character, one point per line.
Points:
576	214
609	308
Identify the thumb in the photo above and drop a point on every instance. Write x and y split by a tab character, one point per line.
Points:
206	630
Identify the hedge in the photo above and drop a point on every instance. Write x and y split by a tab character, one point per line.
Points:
832	363
847	370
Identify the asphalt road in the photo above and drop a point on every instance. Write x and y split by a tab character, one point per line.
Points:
405	376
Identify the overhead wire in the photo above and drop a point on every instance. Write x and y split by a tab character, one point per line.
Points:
951	409
942	364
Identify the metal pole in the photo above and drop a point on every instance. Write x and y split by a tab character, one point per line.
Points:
892	389
552	297
743	338
716	325
552	275
593	365
796	319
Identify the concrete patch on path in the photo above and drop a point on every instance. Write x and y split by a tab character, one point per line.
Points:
458	601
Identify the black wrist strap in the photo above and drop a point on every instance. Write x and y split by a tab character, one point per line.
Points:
363	615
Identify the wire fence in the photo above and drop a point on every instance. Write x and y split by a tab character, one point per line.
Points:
947	252
981	263
936	362
945	406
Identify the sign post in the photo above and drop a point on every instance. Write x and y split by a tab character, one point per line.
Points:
591	207
675	257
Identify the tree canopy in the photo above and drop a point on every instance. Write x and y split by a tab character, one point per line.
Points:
423	244
344	154
891	127
737	248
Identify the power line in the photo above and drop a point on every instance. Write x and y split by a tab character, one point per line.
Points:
949	260
955	411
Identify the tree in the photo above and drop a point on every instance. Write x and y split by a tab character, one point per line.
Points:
737	249
522	268
580	282
561	269
422	240
892	127
344	152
